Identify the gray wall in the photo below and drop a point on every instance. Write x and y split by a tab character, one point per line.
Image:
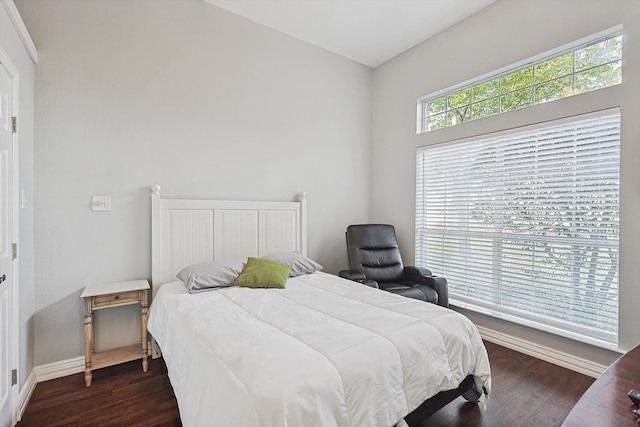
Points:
198	100
11	43
506	32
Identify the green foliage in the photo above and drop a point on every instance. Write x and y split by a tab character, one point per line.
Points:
598	77
438	105
517	99
458	116
486	90
584	70
437	121
554	68
485	108
517	79
606	51
554	89
459	99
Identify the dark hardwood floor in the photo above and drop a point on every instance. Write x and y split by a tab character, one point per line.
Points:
526	392
120	395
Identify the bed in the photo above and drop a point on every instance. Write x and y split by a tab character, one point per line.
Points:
322	351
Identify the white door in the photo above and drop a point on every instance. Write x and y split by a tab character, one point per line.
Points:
7	327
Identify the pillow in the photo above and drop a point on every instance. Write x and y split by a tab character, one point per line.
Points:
209	275
299	263
263	273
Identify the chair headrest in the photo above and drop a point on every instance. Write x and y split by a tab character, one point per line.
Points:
372	236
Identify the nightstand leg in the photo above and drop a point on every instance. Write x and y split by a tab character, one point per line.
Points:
88	341
144	302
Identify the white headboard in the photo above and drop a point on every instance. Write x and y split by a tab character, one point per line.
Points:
188	231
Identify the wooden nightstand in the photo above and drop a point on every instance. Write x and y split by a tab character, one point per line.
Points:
97	297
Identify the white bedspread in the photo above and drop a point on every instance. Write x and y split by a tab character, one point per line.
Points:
323	352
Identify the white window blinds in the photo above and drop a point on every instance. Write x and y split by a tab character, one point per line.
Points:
524	224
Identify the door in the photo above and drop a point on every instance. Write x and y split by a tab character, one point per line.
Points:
8	336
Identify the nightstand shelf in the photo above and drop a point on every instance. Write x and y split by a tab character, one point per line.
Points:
115	356
109	295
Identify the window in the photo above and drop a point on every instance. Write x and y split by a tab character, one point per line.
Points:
524	224
584	66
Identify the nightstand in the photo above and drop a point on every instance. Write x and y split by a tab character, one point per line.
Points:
107	295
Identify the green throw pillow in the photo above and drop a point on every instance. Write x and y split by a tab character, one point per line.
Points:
263	273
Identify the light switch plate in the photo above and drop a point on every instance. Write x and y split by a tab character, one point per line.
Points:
101	203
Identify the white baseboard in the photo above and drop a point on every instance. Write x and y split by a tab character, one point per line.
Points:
46	372
59	369
547	354
25	393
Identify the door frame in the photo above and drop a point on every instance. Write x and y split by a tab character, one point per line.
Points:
14	334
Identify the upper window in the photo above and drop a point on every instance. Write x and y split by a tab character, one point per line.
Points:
581	67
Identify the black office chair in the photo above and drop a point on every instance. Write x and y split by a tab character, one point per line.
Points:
374	260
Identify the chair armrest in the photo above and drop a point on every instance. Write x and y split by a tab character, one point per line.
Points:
357	276
411	271
354	275
370	282
424	276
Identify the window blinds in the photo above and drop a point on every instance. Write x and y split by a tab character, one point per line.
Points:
524	224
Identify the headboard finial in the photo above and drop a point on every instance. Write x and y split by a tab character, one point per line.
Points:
301	196
155	189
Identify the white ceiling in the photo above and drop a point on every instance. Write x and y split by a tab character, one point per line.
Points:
367	31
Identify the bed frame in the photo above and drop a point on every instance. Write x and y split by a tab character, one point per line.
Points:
189	231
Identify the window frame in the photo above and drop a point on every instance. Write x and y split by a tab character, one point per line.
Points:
421	110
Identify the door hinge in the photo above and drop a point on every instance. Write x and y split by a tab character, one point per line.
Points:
14	250
14	376
14	124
